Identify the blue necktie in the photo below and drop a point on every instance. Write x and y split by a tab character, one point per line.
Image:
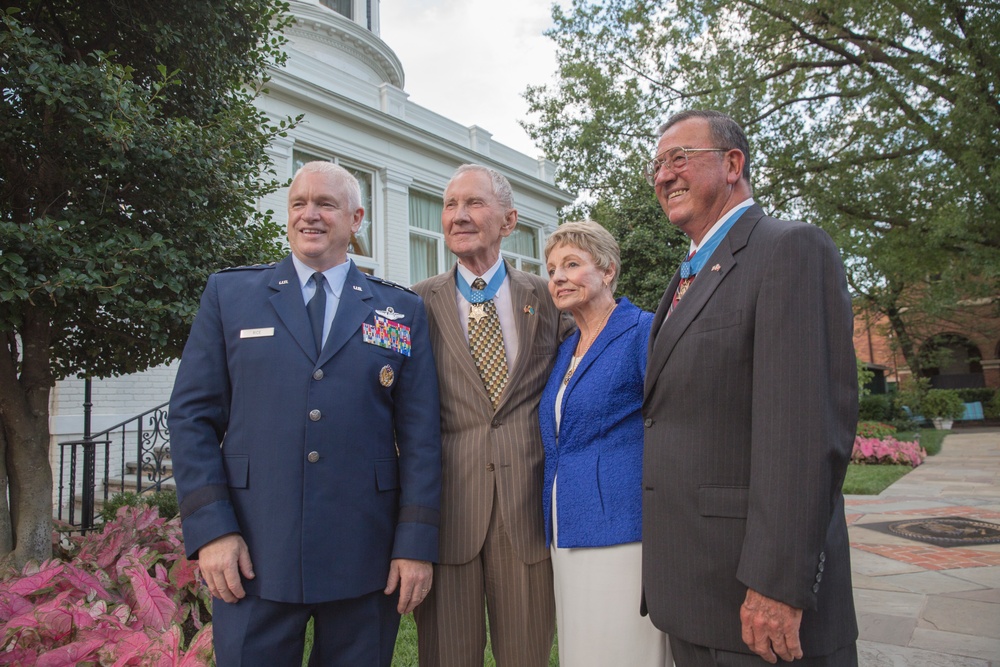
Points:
317	309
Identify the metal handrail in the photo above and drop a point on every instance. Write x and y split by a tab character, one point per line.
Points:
151	449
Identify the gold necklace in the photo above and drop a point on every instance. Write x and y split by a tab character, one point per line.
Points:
577	358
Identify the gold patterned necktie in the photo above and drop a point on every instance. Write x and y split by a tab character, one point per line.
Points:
486	344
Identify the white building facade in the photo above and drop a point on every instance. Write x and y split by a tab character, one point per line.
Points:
349	86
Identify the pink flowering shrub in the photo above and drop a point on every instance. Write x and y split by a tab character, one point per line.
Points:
874	429
127	597
887	450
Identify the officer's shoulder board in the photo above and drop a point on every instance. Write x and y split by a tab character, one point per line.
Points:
251	267
388	283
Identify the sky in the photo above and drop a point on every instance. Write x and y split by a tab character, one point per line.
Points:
471	60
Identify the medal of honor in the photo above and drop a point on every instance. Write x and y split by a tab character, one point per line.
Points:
683	287
477	312
386	376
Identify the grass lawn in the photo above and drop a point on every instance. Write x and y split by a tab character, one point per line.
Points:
871	480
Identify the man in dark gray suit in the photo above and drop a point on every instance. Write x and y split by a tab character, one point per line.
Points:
750	410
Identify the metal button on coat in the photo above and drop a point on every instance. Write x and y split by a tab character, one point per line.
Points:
648	422
315	415
318	375
313	457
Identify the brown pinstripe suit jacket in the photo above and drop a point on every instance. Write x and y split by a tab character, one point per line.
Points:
483	448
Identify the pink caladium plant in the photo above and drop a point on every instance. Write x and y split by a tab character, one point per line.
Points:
887	450
126	596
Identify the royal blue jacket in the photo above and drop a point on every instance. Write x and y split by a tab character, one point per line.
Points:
598	454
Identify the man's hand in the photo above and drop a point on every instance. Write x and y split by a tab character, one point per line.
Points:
771	627
413	577
221	562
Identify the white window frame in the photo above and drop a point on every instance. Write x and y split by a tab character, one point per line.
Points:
445	259
518	260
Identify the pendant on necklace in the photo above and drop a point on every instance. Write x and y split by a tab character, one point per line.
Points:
572	369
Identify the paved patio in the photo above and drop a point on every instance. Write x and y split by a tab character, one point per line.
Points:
921	605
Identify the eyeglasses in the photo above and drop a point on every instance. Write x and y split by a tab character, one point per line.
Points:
674	159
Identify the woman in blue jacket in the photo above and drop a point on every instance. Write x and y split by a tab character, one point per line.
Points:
591	423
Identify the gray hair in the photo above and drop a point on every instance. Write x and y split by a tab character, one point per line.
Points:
501	186
592	237
339	175
726	132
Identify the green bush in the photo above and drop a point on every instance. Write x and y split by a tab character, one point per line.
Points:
165	501
875	408
977	395
874	429
943	404
912	396
991	410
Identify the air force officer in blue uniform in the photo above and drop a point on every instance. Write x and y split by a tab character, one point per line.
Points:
306	444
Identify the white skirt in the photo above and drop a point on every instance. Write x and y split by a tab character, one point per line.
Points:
598	591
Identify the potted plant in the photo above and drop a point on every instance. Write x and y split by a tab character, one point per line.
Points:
942	407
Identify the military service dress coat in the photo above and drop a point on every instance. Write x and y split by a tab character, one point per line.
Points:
328	465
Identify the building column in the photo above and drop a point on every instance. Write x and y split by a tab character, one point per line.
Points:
991	372
396	202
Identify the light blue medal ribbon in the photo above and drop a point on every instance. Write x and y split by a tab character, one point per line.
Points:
481	296
694	264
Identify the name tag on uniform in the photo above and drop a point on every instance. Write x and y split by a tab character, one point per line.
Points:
257	333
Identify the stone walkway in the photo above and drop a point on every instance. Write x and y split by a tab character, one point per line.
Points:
921	605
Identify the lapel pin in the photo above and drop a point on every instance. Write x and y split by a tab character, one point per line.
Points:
282	282
357	288
717	267
529	310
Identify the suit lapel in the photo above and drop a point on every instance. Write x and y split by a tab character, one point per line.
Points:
664	335
353	310
522	293
442	305
287	303
619	323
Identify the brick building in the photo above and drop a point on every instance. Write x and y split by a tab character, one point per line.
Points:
969	335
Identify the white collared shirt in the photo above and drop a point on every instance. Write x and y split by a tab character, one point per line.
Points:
504	306
335	279
694	246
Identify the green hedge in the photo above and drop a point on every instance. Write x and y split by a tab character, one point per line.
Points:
165	501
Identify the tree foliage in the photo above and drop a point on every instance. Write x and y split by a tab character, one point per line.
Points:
131	159
879	121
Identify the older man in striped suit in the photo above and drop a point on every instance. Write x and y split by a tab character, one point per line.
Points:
494	331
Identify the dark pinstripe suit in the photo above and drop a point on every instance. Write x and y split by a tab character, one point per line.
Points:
750	407
492	471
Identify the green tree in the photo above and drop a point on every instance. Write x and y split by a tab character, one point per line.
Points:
878	121
131	158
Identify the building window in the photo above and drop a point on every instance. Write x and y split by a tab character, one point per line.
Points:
345	7
429	255
521	249
362	243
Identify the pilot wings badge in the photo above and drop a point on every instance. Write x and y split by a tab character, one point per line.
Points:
390	314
